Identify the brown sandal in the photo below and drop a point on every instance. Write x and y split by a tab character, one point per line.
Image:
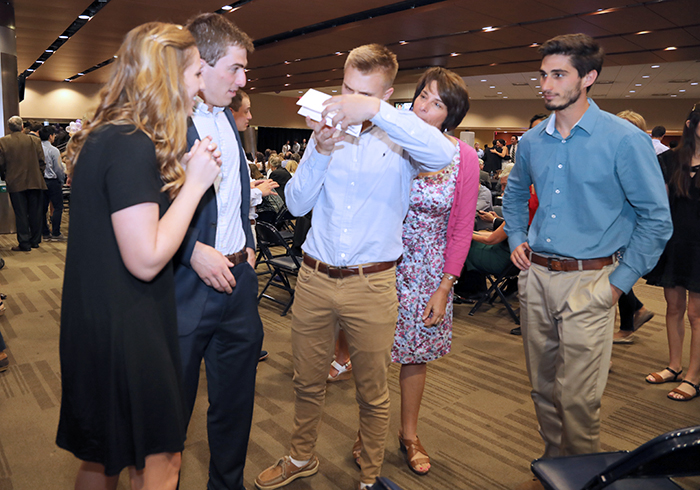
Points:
658	377
416	455
357	449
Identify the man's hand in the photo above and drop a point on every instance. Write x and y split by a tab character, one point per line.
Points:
616	293
521	256
266	186
347	110
325	136
213	268
251	256
488	216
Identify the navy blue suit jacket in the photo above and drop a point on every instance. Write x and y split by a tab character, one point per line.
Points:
190	290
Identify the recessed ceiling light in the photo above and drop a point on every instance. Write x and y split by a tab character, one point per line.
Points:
251	88
540	93
633	91
505	96
533	79
333	91
286	85
286	62
40	62
500	93
534	45
62	37
84	17
654	66
297	60
671	48
674	95
338	53
48	51
627	95
81	74
483	80
288	75
640	33
538	86
403	42
226	7
301	91
645	76
682	90
66	80
693	83
637	84
492	86
489	29
30	69
454	54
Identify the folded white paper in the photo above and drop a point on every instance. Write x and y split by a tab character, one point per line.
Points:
312	106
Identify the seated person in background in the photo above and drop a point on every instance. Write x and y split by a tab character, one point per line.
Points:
279	174
271	203
489	252
484	202
484	177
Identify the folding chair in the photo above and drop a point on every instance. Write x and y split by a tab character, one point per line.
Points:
283	222
281	266
649	467
496	291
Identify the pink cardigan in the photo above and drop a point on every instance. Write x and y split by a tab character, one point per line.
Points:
461	222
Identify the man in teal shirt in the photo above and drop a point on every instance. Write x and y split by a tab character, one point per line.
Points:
602	222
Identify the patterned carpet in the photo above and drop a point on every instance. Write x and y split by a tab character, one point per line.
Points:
477	419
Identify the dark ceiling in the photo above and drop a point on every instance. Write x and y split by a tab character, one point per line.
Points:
302	43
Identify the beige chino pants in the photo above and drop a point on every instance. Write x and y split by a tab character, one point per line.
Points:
366	308
567	326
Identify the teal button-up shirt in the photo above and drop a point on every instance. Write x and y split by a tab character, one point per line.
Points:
600	191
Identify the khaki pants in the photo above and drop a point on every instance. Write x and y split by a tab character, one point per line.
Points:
567	325
365	307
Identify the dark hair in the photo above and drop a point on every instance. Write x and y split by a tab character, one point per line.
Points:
585	52
537	117
237	100
679	181
502	141
453	92
45	132
213	34
259	156
658	132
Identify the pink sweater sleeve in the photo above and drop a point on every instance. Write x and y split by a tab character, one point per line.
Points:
461	222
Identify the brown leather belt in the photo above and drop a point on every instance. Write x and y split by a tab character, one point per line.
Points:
238	257
353	270
570	265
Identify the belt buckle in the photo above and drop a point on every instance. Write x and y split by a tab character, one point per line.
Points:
549	264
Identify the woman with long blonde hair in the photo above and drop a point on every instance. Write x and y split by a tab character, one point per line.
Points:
131	203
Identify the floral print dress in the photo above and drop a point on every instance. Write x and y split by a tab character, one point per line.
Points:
420	272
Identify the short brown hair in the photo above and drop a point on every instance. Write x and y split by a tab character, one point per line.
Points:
374	57
453	92
214	34
585	52
237	100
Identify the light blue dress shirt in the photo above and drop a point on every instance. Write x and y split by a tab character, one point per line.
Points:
600	191
360	193
229	229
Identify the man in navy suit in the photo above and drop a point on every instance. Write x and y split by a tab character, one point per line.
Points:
215	284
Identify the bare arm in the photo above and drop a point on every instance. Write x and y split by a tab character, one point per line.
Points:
491	238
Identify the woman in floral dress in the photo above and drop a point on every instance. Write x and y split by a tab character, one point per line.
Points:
437	234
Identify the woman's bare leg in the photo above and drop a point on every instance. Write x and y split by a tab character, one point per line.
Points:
162	472
91	476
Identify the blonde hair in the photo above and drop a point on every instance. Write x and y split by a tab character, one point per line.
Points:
633	117
374	57
147	90
291	166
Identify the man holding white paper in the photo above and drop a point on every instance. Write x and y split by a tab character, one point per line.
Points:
358	188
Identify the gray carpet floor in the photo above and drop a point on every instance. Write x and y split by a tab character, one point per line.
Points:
477	419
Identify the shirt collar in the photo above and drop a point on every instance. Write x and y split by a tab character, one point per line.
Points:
202	109
587	121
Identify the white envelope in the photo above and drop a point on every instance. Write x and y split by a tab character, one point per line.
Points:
312	106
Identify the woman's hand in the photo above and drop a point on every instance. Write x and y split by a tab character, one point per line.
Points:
202	164
434	312
488	216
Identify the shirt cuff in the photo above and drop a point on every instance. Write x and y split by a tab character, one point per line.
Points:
386	113
623	278
516	239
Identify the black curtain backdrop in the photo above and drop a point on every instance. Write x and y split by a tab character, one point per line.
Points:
274	138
